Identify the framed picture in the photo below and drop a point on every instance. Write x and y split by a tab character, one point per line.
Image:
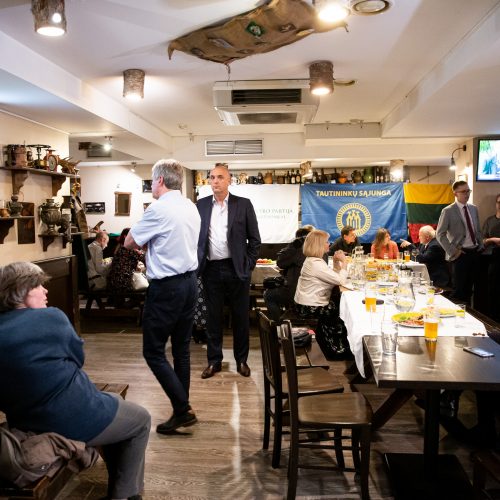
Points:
95	207
146	186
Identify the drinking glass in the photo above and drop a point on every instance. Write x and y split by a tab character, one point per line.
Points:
370	298
406	255
389	333
430	293
414	254
460	315
431	322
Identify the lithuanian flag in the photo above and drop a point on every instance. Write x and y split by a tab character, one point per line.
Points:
424	203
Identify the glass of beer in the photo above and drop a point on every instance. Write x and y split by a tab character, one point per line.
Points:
370	298
431	322
407	255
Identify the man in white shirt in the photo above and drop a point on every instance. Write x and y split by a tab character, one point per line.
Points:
169	229
98	267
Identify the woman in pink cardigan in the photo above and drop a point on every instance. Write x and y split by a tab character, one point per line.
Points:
382	245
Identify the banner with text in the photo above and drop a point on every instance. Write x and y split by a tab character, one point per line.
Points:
366	207
276	207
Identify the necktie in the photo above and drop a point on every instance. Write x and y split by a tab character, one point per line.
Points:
469	225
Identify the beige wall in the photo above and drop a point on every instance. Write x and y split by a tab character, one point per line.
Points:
37	188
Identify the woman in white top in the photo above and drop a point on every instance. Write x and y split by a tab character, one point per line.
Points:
313	297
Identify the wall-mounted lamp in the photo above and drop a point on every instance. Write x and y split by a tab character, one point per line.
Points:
453	165
108	146
321	77
133	84
132	168
49	16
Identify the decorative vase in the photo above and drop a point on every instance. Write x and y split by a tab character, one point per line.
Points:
368	175
51	216
356	177
268	178
15	207
342	179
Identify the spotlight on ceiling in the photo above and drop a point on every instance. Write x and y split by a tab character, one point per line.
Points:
49	16
133	165
453	165
133	84
109	143
368	7
331	11
321	77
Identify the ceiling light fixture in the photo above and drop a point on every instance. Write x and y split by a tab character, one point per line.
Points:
368	7
49	16
132	168
108	145
331	11
133	84
321	77
453	165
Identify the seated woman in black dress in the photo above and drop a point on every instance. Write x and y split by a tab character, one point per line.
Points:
313	297
43	387
125	274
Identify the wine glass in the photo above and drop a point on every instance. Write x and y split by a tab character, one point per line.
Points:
414	254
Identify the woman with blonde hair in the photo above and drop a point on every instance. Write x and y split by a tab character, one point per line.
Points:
313	297
383	245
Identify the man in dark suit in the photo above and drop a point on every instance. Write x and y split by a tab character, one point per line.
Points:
228	248
459	233
432	255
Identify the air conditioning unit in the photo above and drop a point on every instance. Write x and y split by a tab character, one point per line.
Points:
264	102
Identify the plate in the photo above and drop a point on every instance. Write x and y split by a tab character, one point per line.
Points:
409	319
444	312
386	283
438	291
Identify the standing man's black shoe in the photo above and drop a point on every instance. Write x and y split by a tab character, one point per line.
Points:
175	421
211	370
244	369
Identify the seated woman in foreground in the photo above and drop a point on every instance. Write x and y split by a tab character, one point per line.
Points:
41	357
383	246
313	296
125	274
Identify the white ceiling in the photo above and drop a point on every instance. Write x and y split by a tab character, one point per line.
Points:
427	70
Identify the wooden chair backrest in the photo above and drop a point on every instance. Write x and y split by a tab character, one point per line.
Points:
287	345
270	347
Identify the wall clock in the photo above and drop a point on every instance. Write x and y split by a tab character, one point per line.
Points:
52	162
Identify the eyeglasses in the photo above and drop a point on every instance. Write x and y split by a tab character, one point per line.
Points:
467	191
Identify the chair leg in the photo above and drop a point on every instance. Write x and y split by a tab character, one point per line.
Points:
365	436
355	439
267	415
278	431
339	452
293	465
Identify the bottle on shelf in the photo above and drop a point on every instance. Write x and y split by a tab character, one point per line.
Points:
292	178
315	177
298	177
287	177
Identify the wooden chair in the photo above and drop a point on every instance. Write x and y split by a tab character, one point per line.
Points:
311	380
324	414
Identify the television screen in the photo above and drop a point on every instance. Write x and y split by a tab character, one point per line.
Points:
487	158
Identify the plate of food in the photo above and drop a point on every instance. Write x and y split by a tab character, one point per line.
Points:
264	262
409	319
437	291
444	312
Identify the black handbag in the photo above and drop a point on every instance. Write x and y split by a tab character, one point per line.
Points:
301	337
273	282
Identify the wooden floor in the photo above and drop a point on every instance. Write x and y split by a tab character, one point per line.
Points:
221	456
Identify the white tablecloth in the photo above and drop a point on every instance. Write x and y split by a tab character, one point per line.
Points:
358	322
419	268
262	271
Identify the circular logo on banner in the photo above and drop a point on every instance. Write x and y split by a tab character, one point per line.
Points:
355	215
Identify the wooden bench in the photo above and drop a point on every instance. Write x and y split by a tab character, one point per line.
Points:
47	488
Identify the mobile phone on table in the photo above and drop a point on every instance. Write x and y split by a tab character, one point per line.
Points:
478	351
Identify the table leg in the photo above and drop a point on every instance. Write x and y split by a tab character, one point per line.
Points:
390	407
431	431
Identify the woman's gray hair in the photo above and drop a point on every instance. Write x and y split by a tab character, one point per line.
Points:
16	281
171	171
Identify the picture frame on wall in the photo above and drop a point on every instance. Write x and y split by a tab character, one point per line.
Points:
147	186
463	177
95	207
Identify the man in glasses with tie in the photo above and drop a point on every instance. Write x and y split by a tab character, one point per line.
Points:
459	233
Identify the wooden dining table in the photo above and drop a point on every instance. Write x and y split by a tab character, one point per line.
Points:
431	367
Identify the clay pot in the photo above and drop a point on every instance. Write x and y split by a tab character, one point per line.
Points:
342	179
268	178
356	177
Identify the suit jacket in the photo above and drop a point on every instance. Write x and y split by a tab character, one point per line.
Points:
433	256
243	235
451	231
